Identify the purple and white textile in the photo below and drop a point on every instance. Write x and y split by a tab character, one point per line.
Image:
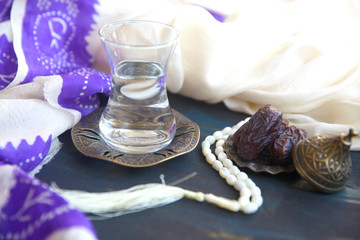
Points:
46	86
30	210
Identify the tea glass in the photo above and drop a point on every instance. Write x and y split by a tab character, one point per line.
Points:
137	118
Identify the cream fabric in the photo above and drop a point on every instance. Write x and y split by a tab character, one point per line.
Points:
302	56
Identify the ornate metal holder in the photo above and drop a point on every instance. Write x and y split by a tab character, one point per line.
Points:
324	161
87	139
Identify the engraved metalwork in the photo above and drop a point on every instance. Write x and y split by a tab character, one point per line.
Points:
87	139
256	165
324	161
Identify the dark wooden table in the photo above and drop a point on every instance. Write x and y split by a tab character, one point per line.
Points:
291	210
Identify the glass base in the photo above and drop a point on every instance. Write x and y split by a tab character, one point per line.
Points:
137	141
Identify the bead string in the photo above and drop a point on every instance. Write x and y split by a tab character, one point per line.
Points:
250	195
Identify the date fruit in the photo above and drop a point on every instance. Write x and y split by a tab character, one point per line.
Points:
268	137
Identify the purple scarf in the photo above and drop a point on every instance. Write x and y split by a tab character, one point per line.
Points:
46	38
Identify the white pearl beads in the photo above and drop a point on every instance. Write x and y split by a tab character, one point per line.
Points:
220	143
250	208
218	150
234	170
224	172
231	179
210	139
217	165
227	163
222	156
238	185
218	134
250	195
210	158
227	130
242	176
206	151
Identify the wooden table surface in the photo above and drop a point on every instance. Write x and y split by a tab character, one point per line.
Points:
292	209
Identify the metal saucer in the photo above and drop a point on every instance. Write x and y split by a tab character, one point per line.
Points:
86	138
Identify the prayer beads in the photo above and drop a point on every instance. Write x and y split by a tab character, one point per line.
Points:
250	195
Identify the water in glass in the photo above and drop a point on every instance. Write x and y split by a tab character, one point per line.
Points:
138	118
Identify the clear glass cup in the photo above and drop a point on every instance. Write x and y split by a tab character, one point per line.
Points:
137	118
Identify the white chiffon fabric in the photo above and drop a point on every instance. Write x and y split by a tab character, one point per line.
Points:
301	56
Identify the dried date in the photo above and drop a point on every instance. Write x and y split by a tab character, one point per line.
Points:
262	128
267	136
281	149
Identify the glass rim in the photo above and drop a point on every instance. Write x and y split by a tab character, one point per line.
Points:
151	46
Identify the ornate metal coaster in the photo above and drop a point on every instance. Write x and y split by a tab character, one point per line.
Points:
256	165
87	139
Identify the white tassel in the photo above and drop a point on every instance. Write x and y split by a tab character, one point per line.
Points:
137	198
116	203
